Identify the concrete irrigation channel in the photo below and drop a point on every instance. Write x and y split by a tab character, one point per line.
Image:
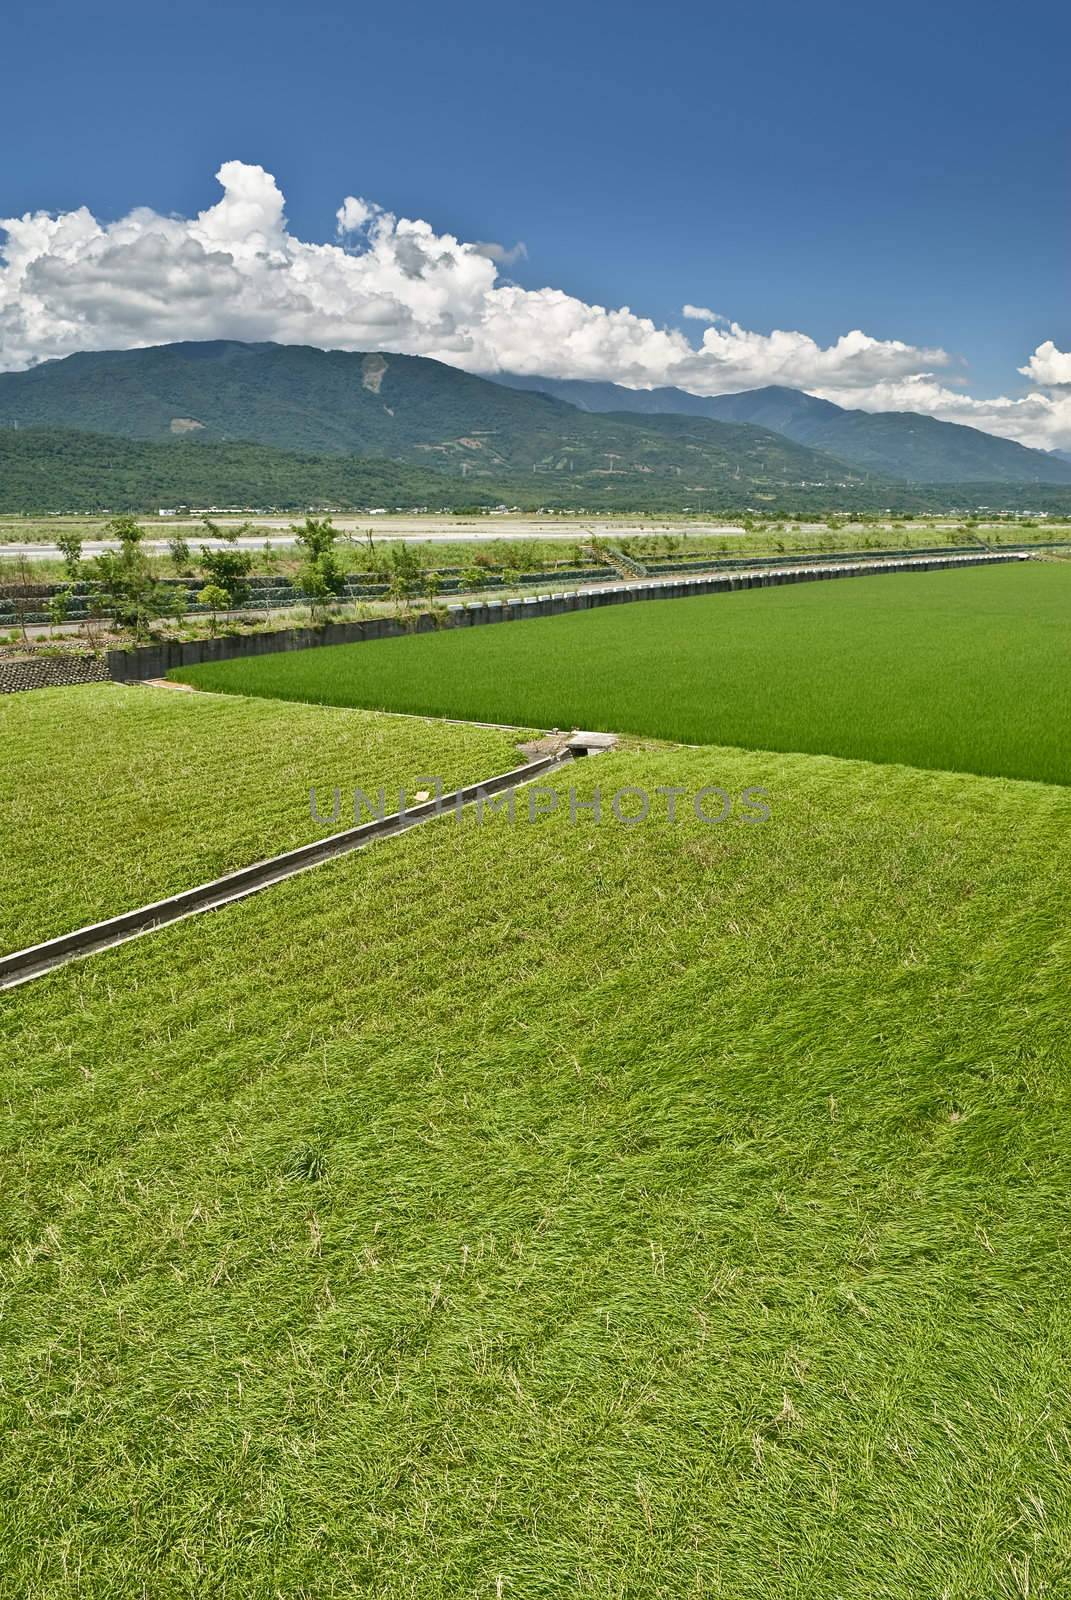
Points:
21	966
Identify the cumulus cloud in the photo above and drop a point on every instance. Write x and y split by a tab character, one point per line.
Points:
72	282
1039	419
1048	366
354	214
855	360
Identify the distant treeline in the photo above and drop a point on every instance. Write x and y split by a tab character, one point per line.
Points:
48	471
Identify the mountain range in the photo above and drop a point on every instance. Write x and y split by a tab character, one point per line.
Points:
894	444
232	413
396	408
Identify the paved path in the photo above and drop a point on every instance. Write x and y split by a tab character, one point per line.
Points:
464	533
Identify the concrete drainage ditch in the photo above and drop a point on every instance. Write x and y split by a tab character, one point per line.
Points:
21	966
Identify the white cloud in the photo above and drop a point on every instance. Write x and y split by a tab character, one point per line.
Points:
1039	419
1048	366
71	282
729	355
354	214
701	314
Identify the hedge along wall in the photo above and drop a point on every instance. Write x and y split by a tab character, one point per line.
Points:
153	661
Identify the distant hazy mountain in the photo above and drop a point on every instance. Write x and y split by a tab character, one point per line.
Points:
899	444
401	409
587	396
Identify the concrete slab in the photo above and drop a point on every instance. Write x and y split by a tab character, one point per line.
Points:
591	743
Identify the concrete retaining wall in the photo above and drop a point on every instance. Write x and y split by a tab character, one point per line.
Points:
51	672
153	661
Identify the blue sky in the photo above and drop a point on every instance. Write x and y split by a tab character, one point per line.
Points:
901	170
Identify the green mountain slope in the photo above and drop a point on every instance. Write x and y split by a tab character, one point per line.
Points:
904	443
406	408
53	470
398	408
343	427
291	396
898	444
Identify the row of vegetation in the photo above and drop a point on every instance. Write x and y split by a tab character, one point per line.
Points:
137	589
127	590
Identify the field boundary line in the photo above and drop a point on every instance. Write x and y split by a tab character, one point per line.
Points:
21	966
410	716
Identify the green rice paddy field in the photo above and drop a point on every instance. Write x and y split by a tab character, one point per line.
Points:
965	670
554	1210
113	796
559	1211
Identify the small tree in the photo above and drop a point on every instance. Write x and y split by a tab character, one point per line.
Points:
126	588
91	624
59	607
179	550
404	574
216	600
320	576
398	588
22	594
316	535
268	559
228	569
70	548
311	582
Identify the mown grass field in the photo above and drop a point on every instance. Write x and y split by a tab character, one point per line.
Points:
112	796
560	1211
964	671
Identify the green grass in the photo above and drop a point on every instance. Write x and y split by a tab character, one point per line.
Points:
112	796
559	1211
964	670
